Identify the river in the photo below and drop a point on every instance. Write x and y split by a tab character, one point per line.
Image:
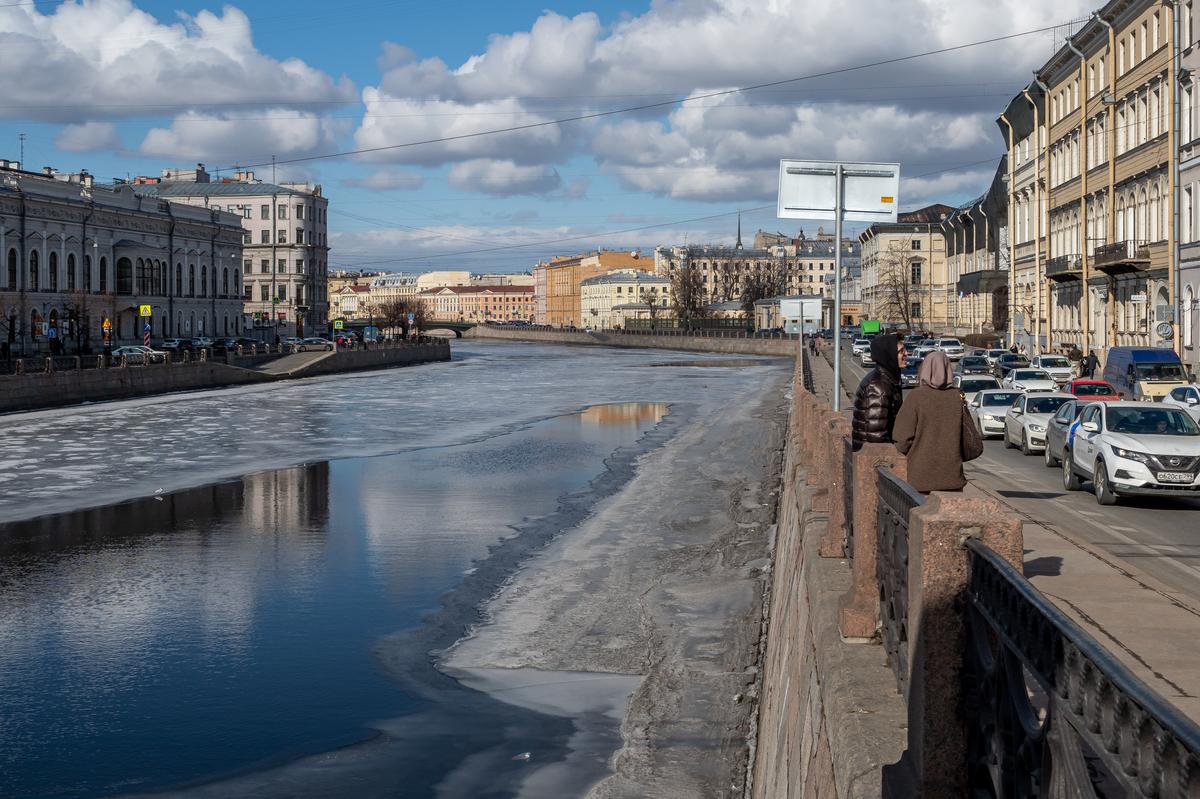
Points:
199	588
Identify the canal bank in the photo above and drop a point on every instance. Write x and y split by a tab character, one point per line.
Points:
730	342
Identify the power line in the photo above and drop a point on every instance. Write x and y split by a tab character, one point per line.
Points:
662	104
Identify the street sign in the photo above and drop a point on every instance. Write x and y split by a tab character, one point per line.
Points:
1138	298
146	334
338	324
412	318
52	333
1164	330
106	325
144	310
809	190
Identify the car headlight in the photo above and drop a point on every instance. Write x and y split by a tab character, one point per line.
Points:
991	417
1037	428
1130	455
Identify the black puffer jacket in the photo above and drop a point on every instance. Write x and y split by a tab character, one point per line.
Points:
878	398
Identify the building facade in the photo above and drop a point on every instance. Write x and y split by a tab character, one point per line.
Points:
976	236
285	243
600	295
1189	206
492	303
78	255
563	277
905	281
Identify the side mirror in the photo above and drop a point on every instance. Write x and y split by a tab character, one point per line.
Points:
1193	401
1091	427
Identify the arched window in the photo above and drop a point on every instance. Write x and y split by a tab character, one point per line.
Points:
1153	228
12	269
177	289
1142	226
204	281
124	276
34	271
71	272
191	280
161	288
1188	297
225	290
87	273
103	275
236	281
54	271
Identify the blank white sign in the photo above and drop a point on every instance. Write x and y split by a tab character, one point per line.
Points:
808	190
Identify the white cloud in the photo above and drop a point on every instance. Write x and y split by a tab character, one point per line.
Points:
89	137
388	180
107	58
235	138
502	178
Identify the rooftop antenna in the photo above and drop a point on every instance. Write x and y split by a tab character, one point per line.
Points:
22	137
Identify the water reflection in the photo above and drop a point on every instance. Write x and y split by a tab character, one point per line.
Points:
203	632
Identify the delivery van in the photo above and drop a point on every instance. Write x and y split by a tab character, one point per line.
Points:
1144	373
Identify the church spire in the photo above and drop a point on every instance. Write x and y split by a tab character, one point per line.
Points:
738	246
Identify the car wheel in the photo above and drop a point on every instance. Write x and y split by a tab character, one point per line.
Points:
1008	441
1025	450
1071	481
1104	493
1051	461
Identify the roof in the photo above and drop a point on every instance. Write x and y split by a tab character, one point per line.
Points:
180	188
623	276
480	290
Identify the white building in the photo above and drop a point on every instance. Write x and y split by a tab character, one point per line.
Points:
77	254
285	243
600	298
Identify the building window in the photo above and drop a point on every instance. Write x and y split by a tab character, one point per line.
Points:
299	211
246	211
1154	32
283	211
264	212
915	310
264	293
264	237
915	272
247	238
54	271
916	244
281	266
247	266
299	235
247	288
300	266
265	266
103	275
87	273
70	272
282	234
281	291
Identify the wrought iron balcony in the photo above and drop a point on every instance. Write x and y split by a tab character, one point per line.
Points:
1065	267
1123	256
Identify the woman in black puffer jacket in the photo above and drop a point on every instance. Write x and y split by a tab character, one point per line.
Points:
878	398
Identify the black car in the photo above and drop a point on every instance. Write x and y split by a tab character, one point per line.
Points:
908	375
1007	362
974	365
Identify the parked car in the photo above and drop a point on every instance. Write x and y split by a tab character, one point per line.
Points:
988	409
294	341
1186	397
171	344
1060	430
925	347
1092	390
1056	366
908	373
1007	362
1134	448
974	365
314	344
224	344
139	354
202	342
953	348
860	346
1148	373
1029	380
1026	421
970	385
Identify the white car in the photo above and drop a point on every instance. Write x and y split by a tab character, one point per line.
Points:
988	409
136	353
1056	366
970	385
924	348
1134	448
865	357
1025	423
1186	397
315	343
860	346
1029	380
952	347
994	355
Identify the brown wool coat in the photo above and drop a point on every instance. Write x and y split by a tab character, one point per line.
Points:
929	431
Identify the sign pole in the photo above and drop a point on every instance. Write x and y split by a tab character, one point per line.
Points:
837	292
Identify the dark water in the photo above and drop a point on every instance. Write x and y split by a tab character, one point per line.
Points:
173	641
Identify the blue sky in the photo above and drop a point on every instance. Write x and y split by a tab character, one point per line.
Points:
172	83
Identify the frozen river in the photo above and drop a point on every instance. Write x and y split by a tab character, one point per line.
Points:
201	587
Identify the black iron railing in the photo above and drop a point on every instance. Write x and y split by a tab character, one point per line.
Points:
896	500
1121	252
806	369
1052	713
1064	266
848	494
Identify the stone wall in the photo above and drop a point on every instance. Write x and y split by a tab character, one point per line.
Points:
723	344
378	358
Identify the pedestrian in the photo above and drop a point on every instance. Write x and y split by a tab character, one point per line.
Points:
878	397
934	430
1090	364
1021	349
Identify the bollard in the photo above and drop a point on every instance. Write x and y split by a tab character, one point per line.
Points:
203	354
934	766
49	369
19	366
124	362
860	605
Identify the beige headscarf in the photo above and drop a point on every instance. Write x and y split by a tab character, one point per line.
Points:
935	371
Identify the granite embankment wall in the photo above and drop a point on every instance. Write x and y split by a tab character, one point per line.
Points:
31	391
723	344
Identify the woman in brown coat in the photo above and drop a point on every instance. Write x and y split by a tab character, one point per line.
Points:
929	429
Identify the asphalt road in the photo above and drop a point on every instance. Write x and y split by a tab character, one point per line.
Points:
1154	541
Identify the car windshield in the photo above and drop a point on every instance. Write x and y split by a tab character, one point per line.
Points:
949	342
1151	422
974	362
1159	371
1014	360
1056	363
1095	390
1044	404
1000	397
1030	374
995	353
976	385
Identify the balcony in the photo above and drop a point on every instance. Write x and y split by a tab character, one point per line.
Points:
1122	257
1064	268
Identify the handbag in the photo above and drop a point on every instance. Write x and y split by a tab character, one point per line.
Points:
972	441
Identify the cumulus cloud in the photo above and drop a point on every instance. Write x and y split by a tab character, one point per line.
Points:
88	137
502	178
388	180
108	58
233	138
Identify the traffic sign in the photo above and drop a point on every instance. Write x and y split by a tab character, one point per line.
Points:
146	334
52	333
106	325
338	324
1138	298
412	318
144	310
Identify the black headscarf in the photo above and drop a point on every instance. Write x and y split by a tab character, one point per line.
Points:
883	352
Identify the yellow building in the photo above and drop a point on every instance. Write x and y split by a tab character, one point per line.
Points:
563	276
600	295
905	280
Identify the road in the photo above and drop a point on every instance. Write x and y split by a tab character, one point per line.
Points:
1130	573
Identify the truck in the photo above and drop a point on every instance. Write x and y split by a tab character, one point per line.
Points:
870	327
1144	373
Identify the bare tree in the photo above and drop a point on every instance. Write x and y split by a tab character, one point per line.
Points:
762	281
725	284
689	295
395	313
901	299
651	298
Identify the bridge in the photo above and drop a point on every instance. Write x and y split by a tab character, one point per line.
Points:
459	327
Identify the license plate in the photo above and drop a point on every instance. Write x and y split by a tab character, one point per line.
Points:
1176	477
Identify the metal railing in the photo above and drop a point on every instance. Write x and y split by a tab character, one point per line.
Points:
806	373
1122	252
896	500
1064	265
848	495
1052	712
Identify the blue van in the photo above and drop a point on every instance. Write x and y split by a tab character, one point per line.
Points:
1144	373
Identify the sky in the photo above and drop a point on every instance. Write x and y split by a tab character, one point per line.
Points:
127	87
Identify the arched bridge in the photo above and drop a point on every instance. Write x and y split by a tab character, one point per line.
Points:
459	327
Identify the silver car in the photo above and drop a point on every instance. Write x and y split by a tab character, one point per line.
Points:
970	385
1060	431
1056	366
1026	421
1029	380
988	409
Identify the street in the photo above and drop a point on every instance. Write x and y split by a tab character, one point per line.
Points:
1129	573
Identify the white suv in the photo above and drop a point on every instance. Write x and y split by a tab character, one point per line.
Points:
952	347
860	346
1186	397
1128	448
1056	366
